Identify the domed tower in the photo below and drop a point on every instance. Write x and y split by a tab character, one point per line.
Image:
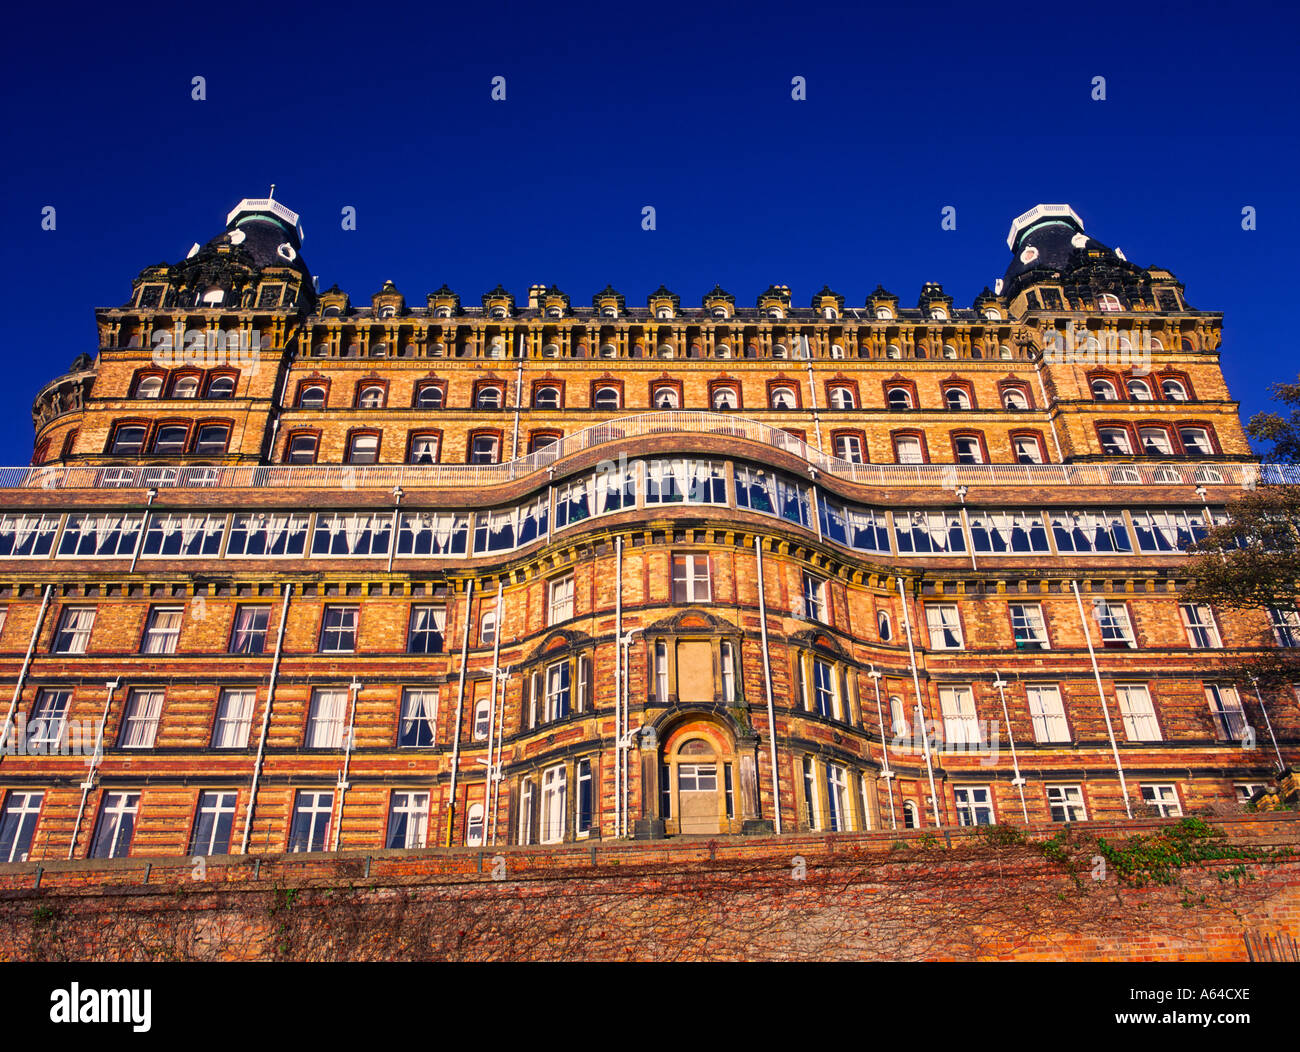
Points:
195	340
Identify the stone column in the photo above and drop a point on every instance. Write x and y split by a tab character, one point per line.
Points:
649	826
747	776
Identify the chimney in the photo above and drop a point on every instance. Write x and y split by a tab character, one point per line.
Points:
535	293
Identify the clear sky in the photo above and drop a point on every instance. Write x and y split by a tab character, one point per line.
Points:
612	107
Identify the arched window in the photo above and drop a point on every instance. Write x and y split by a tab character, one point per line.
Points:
724	398
483	709
474	826
782	398
911	820
1155	441
1139	391
312	397
424	449
842	398
608	350
1028	450
884	314
1186	344
546	398
992	314
301	449
1115	441
1108	301
949	351
1196	441
968	451
1155	343
779	351
665	398
908	450
1013	398
379	350
956	398
186	387
938	314
1103	391
606	398
899	398
893	351
221	387
884	626
149	387
551	350
1004	352
488	398
429	396
1173	390
363	449
371	397
170	439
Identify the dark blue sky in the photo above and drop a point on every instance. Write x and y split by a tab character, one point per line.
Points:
610	108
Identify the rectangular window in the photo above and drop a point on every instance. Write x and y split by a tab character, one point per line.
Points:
1048	714
184	535
1138	711
1163	799
249	635
1066	803
928	533
557	691
527	811
338	634
974	805
352	533
1286	625
559	605
1008	532
325	719
18	824
1116	628
1245	794
213	823
691	582
27	535
729	790
728	655
945	628
49	715
810	793
419	717
140	719
266	535
825	689
73	635
837	798
960	724
661	672
408	820
427	624
424	533
1090	531
163	630
586	799
311	820
1028	626
1199	622
1227	712
554	800
112	837
100	536
234	717
814	598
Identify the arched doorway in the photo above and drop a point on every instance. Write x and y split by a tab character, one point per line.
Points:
699	780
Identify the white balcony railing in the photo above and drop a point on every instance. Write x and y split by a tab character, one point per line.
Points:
643	425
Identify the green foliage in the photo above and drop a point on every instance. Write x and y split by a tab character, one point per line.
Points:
1159	857
1283	432
898	845
1002	835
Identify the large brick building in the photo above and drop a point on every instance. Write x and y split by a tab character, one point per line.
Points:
338	575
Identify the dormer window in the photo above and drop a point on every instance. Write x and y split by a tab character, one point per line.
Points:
664	313
331	312
555	312
312	397
442	312
938	314
830	313
992	314
609	312
186	387
1108	301
149	387
719	312
884	314
388	312
775	313
213	297
497	313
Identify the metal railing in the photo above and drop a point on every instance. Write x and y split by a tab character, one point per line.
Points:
643	425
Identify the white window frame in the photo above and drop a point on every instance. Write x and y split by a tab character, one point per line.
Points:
1047	711
325	718
944	620
1138	711
1027	618
76	623
972	801
234	718
1198	620
559	599
1163	796
413	804
554	800
1067	802
1227	712
961	725
695	585
140	717
163	630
